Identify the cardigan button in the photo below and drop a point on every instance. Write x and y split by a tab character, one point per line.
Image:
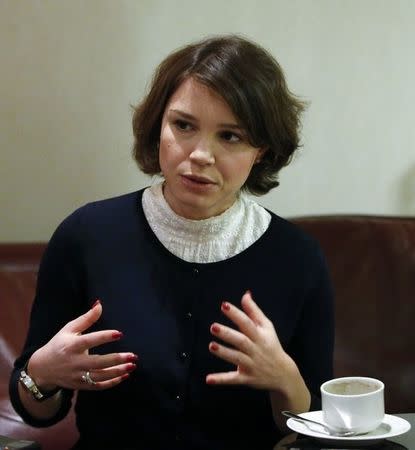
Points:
188	315
195	271
183	356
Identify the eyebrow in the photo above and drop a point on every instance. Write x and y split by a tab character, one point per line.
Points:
188	116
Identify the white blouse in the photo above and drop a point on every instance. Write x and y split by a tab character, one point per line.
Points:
208	240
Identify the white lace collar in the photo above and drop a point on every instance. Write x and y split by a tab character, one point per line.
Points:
208	240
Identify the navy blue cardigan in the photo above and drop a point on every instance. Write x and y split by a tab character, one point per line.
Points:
165	306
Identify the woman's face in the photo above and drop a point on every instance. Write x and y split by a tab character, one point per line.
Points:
204	155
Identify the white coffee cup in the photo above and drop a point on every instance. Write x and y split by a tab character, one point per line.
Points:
353	403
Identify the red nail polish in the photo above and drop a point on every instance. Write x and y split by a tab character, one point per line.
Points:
125	376
117	335
215	329
226	306
131	367
210	381
95	303
214	347
131	358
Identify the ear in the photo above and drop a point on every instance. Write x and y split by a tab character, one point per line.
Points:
260	154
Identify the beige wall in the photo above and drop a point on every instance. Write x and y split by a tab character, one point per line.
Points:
70	70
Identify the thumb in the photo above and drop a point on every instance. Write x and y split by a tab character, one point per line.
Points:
82	323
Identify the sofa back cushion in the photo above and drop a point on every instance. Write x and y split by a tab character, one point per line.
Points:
18	272
372	265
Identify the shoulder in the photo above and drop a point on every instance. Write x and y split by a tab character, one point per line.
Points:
109	208
290	236
93	218
289	249
293	251
278	230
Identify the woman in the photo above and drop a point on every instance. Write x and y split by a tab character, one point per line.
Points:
214	314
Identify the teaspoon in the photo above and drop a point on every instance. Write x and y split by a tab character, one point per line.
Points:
329	430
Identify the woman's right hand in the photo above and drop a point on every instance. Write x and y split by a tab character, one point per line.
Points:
65	359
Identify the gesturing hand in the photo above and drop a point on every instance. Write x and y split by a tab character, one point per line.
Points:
255	349
65	358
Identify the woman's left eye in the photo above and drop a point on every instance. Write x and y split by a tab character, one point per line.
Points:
229	136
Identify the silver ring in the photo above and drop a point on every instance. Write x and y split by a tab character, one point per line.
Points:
86	378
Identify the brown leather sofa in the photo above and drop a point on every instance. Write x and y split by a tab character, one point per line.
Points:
18	270
372	264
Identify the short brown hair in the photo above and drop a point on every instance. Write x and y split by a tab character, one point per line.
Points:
251	82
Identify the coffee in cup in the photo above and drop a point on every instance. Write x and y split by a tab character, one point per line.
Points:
353	403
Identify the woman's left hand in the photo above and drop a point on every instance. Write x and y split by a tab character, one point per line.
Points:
255	349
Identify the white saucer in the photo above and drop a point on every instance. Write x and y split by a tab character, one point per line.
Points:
391	426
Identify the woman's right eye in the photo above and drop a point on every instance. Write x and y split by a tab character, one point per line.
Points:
182	125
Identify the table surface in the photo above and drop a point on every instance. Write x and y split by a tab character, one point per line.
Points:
405	441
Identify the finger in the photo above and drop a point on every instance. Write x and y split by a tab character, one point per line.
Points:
229	378
96	338
233	337
240	319
97	362
112	372
101	385
252	310
230	355
82	323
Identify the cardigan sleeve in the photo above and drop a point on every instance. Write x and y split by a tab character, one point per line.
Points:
58	299
313	343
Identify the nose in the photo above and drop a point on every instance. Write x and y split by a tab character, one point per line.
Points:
202	153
